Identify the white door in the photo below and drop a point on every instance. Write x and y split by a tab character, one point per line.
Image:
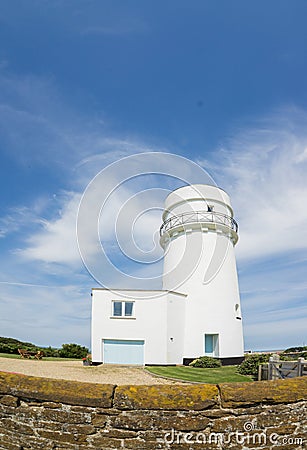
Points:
119	351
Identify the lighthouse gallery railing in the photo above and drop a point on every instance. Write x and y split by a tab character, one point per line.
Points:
201	217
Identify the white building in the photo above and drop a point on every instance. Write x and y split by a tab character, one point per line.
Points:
198	310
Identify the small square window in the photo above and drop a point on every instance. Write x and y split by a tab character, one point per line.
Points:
128	309
117	309
122	309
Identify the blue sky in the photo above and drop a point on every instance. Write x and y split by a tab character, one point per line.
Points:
86	83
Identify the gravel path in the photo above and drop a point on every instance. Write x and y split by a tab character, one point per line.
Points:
74	370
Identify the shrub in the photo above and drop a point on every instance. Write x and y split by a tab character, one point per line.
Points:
296	349
10	345
295	352
205	362
50	351
251	363
73	351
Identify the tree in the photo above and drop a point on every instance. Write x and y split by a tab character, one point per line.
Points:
73	351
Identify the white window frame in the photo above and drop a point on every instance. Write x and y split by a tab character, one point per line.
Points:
215	345
123	309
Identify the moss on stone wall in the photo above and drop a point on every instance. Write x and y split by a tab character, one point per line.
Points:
278	391
70	392
179	397
42	413
169	397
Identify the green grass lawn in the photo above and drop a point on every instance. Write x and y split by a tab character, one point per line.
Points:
45	358
219	375
9	355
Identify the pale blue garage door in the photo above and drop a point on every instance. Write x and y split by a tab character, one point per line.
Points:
123	351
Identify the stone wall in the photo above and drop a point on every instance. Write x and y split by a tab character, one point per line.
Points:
40	413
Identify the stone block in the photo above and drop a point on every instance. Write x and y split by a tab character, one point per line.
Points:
168	397
158	422
16	427
56	415
265	392
99	420
47	389
58	436
282	429
9	400
7	444
27	442
139	444
229	424
78	428
194	446
119	434
100	441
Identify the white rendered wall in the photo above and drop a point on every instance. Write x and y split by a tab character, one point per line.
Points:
212	289
158	316
175	328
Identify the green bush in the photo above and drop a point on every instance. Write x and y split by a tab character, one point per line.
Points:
251	363
11	345
8	348
295	352
205	362
296	349
50	352
73	351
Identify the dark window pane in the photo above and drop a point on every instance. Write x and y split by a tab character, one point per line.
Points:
128	308
117	308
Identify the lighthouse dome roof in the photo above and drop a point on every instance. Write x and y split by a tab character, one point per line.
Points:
194	194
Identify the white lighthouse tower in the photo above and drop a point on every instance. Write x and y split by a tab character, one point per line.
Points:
198	236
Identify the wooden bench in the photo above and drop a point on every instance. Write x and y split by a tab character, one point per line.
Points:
24	353
39	355
27	354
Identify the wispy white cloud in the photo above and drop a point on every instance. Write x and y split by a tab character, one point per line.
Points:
121	213
13	283
264	169
24	218
40	312
55	240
